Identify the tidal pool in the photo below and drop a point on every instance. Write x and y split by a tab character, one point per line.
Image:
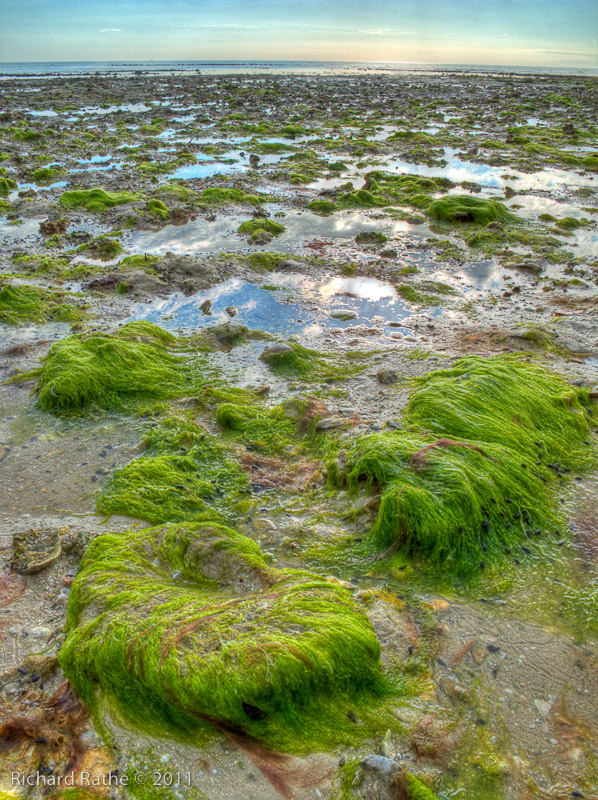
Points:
295	304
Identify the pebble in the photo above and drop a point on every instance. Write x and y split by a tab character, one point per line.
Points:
41	632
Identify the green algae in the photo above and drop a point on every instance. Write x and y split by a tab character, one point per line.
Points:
412	295
103	247
96	200
295	361
266	430
58	267
219	196
20	304
464	208
47	174
253	226
185	629
322	207
407	786
479	461
7	185
266	261
108	370
158	209
371	238
184	473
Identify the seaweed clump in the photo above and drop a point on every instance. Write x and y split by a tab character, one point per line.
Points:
474	471
185	472
186	629
463	208
30	304
97	200
105	370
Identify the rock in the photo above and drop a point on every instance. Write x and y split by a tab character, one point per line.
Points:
50	227
35	549
509	192
479	653
254	160
543	707
304	409
136	282
260	236
232	311
290	263
573	347
206	307
179	217
454	689
386	748
331	423
41	632
344	315
387	377
227	335
275	350
379	778
390	253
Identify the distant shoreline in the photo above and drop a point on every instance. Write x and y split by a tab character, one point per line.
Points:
116	67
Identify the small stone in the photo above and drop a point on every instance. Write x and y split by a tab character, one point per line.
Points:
386	748
387	377
41	632
439	605
231	311
454	689
543	707
331	423
206	307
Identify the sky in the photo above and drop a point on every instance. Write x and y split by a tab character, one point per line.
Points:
517	32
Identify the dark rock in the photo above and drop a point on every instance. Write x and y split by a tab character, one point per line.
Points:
49	227
387	376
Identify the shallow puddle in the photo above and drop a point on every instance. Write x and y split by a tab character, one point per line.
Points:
299	305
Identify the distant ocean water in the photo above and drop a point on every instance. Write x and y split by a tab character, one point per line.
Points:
61	68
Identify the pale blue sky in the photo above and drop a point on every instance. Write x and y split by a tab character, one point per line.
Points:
522	32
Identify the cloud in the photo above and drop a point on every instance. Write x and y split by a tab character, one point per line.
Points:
376	31
110	30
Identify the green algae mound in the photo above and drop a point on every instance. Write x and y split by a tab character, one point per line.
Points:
97	200
104	370
463	208
184	473
30	304
7	185
183	628
476	467
47	174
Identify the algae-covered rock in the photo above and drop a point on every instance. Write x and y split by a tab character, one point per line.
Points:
477	464
465	208
95	199
185	472
180	628
104	370
30	303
